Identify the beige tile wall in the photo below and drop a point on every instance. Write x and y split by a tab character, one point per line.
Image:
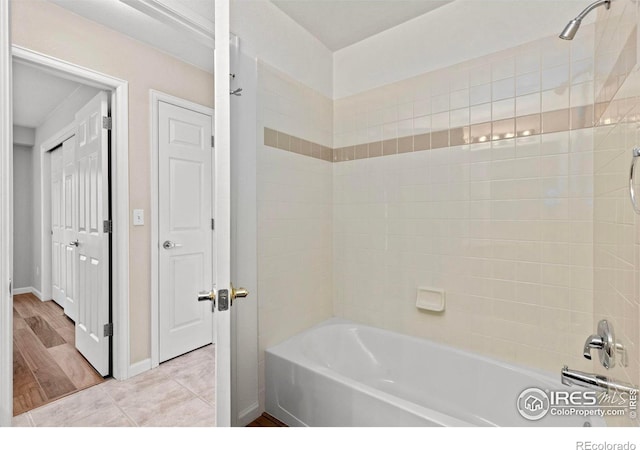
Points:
294	209
505	228
499	212
518	210
616	232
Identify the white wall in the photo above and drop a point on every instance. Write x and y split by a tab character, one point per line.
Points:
456	32
272	36
24	135
23	267
62	116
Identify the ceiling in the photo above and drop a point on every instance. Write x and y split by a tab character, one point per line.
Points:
36	94
340	23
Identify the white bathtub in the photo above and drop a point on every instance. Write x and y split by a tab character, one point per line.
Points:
344	374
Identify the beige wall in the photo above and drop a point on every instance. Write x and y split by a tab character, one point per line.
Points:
49	29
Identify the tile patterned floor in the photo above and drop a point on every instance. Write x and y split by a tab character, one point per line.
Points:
179	393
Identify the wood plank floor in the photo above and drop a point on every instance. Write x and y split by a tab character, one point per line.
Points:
266	420
46	365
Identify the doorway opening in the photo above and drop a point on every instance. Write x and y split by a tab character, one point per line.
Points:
62	252
72	176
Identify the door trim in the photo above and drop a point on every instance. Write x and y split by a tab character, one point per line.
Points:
119	193
156	98
6	219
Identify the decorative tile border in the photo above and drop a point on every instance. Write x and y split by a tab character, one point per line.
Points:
605	111
289	143
529	125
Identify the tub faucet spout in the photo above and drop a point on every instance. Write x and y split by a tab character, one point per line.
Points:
591	380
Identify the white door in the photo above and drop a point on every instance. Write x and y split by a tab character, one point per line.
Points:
69	227
223	215
184	229
92	260
63	227
57	228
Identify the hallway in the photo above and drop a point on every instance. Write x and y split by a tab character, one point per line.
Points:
46	364
179	393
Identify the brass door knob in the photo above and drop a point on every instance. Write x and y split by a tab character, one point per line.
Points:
238	293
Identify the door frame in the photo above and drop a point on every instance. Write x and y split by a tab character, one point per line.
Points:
157	97
6	219
119	93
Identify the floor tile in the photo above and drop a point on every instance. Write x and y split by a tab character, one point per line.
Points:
179	393
189	413
122	390
110	416
157	400
23	420
72	408
198	378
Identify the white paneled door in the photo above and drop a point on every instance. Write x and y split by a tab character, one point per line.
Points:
185	229
92	250
64	227
57	229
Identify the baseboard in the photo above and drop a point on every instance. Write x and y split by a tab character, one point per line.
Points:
37	293
24	290
139	367
28	290
249	414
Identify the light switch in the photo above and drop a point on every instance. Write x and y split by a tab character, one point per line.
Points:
138	217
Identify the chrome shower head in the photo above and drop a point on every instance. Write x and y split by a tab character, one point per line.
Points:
572	27
570	30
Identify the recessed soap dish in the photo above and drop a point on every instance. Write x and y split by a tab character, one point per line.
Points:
430	299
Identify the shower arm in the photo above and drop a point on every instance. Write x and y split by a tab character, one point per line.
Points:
591	7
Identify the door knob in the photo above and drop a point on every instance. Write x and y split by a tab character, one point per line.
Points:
203	296
75	243
238	293
167	245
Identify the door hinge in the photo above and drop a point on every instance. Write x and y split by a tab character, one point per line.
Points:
213	224
108	329
107	226
213	141
106	122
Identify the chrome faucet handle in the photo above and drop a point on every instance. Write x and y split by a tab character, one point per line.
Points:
593	341
604	340
622	351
